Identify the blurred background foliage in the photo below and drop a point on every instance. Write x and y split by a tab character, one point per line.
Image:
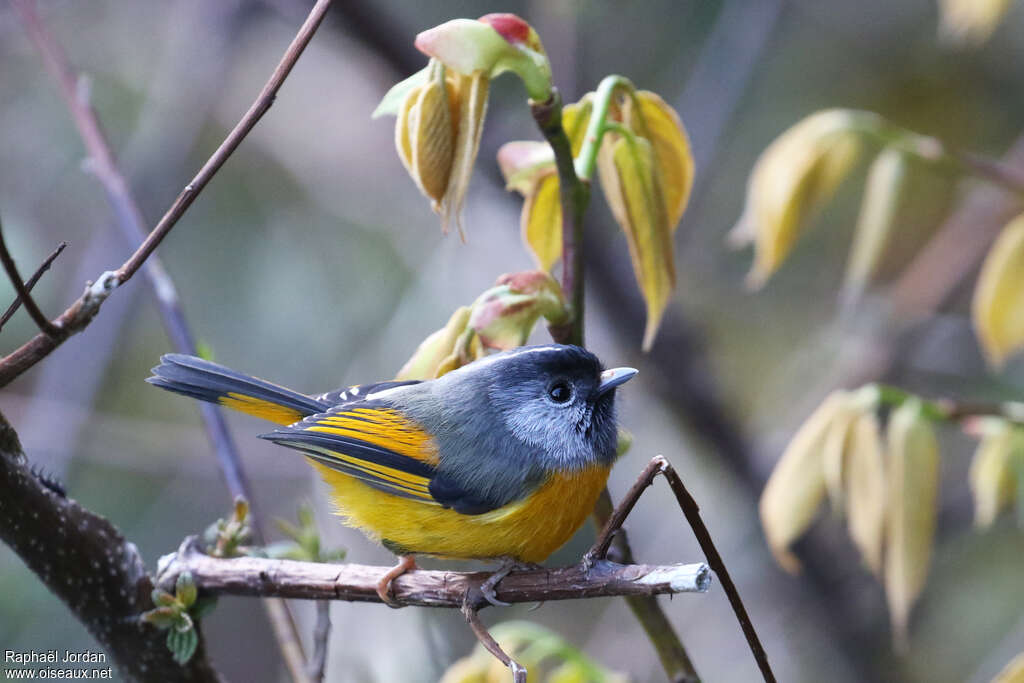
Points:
311	260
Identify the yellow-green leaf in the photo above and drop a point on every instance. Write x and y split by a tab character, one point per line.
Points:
659	123
432	139
541	222
796	486
794	176
866	489
913	475
632	189
992	477
575	118
998	305
876	224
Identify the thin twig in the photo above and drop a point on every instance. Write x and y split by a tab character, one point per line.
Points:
31	282
659	465
24	296
321	635
81	312
692	511
519	674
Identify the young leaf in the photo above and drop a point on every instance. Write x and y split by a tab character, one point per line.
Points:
876	223
632	188
541	222
866	489
399	93
998	304
913	475
794	176
796	486
992	479
655	120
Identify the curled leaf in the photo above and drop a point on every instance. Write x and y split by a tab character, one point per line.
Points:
656	121
866	489
835	448
913	475
998	305
794	176
796	486
876	223
632	188
992	477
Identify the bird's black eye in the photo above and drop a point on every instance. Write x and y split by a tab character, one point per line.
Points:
560	391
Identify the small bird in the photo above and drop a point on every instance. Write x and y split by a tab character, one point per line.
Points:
502	458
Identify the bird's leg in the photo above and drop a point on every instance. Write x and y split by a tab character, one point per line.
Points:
508	565
405	563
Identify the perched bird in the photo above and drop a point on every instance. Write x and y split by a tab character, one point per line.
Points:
503	458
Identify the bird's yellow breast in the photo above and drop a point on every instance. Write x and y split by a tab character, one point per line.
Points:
528	530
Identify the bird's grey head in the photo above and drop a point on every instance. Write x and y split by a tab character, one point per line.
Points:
555	399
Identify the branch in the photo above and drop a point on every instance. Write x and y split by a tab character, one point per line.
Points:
31	282
613	529
85	561
81	313
44	324
258	576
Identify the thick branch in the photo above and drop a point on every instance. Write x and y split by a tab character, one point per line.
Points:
81	313
358	583
85	561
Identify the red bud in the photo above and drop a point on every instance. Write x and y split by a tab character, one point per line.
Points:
509	26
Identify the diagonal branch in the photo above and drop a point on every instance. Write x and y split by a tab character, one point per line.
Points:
44	324
82	311
31	282
613	527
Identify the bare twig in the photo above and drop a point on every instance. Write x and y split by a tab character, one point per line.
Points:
31	282
44	324
81	313
472	615
659	465
358	583
321	635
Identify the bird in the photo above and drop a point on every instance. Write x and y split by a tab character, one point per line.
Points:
501	459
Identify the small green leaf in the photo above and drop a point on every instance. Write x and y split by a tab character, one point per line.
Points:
162	598
161	617
185	589
182	644
394	98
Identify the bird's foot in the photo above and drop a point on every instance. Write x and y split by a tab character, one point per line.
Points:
405	563
508	565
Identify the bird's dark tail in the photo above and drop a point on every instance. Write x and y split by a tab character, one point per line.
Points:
215	383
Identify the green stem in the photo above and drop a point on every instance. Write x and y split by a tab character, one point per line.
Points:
935	151
609	87
949	410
